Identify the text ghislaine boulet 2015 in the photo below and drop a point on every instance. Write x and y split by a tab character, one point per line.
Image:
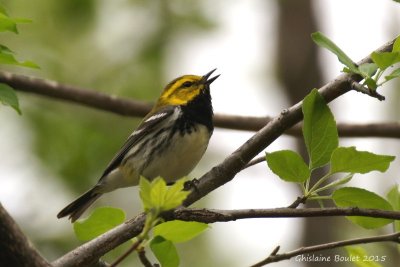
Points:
339	258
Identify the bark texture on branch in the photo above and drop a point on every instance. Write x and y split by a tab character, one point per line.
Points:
15	248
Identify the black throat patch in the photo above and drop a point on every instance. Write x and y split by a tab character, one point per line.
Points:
199	110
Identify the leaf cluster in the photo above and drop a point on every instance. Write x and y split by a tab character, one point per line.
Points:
156	198
7	56
322	142
372	73
321	139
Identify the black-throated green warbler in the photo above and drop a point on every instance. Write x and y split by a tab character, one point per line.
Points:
169	142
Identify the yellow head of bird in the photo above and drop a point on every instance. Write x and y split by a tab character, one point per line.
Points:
183	89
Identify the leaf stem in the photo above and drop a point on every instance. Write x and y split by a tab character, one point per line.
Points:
335	183
320	197
318	183
304	187
378	75
151	220
307	186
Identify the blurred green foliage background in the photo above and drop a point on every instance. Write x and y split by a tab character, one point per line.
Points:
117	47
71	42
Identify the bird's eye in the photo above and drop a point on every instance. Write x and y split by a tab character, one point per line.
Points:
187	84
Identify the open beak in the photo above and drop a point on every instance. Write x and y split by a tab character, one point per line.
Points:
206	79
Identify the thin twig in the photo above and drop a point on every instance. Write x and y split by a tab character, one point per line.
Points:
297	202
126	253
362	89
129	107
144	260
300	251
254	162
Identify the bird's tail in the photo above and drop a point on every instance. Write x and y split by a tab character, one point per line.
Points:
75	209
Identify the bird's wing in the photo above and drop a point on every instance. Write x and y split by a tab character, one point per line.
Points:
148	124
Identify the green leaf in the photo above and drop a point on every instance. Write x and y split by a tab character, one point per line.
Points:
346	70
385	59
8	97
158	192
157	196
7	24
393	196
100	221
179	231
396	45
323	41
165	252
4	49
368	69
175	195
319	129
288	165
348	159
10	24
361	198
3	11
336	183
344	180
371	83
144	193
360	258
393	75
22	20
7	57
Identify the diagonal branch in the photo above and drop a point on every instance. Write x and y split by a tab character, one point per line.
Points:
274	257
218	175
234	163
129	107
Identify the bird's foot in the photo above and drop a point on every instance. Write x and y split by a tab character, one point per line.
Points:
191	184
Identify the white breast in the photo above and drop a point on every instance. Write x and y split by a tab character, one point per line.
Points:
181	160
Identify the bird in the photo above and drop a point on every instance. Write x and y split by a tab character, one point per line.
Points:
169	142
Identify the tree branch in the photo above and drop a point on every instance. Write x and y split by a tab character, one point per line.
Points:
218	175
86	97
129	107
15	248
213	216
274	257
90	252
95	248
